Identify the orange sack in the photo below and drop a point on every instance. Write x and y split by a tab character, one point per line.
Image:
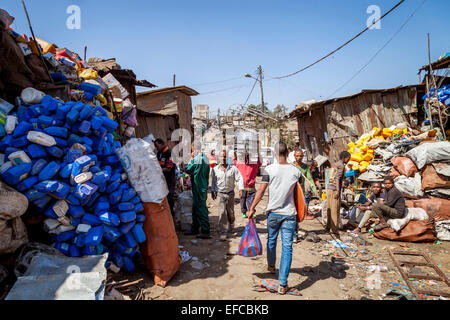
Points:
160	250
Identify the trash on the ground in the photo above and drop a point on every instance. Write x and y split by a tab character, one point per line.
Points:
197	265
185	256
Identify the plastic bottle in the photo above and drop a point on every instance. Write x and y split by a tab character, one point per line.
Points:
60	132
109	124
10	124
65	221
42	202
55	152
126	206
83	191
112	187
50	224
61	143
129	240
33	194
111	233
79	240
32	96
41	138
86	112
36	151
110	219
101	205
61	191
19	157
49	171
26	184
100	177
72	116
127	227
139	207
5	106
85	127
83	177
138	233
60	208
136	200
22	129
66	236
115	197
118	260
128	194
15	174
46	121
94	236
82	164
91	219
64	248
74	251
83	228
20	142
76	211
75	221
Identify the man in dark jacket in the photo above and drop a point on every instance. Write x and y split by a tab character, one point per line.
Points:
392	208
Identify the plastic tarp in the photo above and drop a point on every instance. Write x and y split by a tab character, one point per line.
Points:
410	187
54	277
143	170
430	152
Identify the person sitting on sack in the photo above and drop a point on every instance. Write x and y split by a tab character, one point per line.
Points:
393	208
224	178
364	210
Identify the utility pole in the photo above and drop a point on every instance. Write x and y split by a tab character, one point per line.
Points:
174	79
262	93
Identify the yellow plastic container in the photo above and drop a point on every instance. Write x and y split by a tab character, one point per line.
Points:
370	151
324	196
357	157
364	149
350	164
397	131
362	168
351	145
375	132
355	167
88	74
368	157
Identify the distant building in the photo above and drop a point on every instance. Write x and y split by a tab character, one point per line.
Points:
202	111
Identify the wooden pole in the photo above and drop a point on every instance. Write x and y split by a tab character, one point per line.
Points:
174	79
35	42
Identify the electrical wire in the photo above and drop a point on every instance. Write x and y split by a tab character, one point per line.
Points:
220	90
379	50
342	46
251	91
214	82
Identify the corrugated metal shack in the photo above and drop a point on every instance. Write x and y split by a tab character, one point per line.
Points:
162	111
326	127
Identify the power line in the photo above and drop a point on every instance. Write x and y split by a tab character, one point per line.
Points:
220	90
214	82
254	84
340	47
379	50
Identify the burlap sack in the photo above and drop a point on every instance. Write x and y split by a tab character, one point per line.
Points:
414	231
437	208
432	180
405	166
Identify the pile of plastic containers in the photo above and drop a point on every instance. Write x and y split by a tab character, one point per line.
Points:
62	156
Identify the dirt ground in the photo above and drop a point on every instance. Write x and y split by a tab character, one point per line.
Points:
219	273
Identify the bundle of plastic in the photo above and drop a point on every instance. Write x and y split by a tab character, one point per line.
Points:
62	157
443	94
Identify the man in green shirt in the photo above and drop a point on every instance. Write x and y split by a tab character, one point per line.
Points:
308	185
198	170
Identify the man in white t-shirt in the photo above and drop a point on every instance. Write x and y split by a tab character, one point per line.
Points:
281	179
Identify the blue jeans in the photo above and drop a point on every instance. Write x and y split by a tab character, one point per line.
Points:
275	222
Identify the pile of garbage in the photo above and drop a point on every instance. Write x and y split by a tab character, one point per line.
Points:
419	164
61	66
62	157
443	94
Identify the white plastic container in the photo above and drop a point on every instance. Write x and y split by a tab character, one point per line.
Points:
83	177
10	125
113	268
50	224
19	157
5	166
60	208
41	138
130	131
61	229
83	228
5	106
65	221
32	96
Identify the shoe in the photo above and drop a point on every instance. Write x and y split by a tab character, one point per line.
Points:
223	237
204	236
380	227
190	233
271	269
244	216
282	290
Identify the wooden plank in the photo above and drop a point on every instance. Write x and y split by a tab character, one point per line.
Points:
131	283
436	268
425	277
404	275
434	292
416	263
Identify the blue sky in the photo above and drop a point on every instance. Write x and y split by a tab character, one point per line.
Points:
210	41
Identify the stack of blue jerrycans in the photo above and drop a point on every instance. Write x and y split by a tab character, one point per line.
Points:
62	156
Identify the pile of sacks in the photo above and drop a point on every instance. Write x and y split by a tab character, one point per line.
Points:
420	166
62	157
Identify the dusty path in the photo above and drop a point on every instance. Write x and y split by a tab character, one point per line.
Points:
225	275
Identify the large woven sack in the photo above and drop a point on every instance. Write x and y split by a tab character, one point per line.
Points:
160	249
437	208
405	166
13	232
432	180
414	231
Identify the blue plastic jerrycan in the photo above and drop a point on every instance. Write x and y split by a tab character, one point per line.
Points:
50	170
111	233
15	174
94	236
76	211
127	227
26	184
36	151
110	219
91	219
138	233
22	129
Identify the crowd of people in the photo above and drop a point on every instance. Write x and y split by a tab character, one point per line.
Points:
279	178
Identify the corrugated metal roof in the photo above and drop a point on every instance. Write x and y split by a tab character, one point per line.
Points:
300	110
439	64
186	90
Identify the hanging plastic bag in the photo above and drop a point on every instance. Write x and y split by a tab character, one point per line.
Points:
250	245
